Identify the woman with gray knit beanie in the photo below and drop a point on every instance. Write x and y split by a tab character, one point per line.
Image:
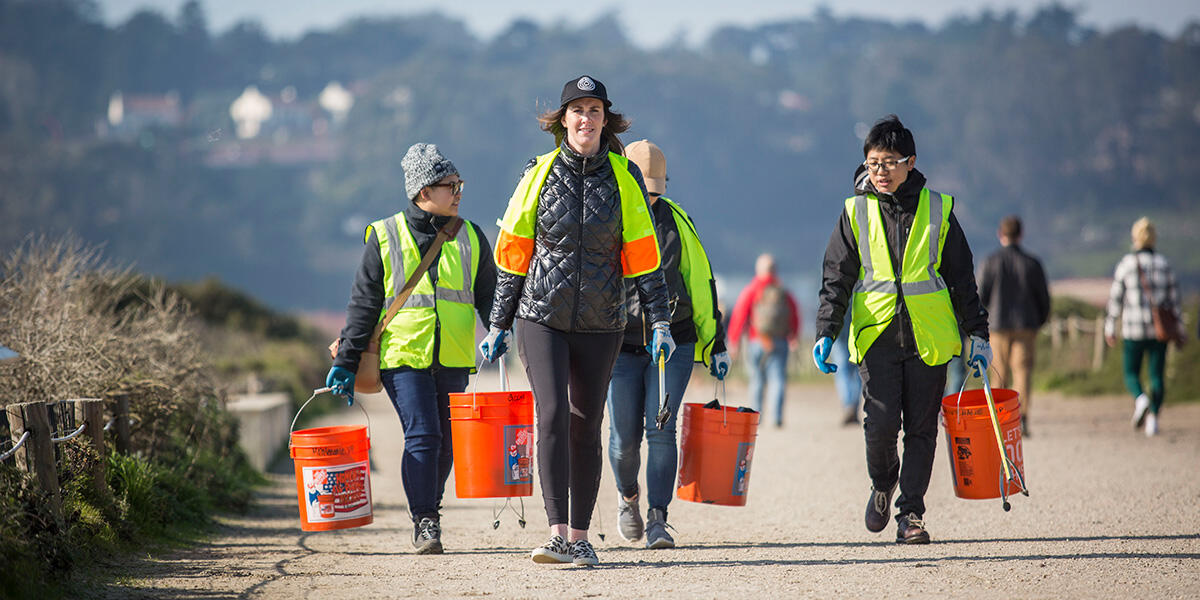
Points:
578	225
427	350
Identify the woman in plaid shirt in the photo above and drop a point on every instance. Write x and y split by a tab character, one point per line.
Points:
1127	300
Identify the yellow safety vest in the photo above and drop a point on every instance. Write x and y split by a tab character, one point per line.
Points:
935	327
698	276
450	308
639	247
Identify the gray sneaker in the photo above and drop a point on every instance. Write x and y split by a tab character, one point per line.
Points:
656	530
629	519
427	536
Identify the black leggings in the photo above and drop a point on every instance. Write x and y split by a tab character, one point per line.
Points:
568	427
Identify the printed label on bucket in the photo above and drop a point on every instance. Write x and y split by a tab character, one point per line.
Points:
518	454
337	493
741	475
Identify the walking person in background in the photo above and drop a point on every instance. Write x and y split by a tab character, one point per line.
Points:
767	313
1012	286
427	350
1144	284
633	394
898	260
576	227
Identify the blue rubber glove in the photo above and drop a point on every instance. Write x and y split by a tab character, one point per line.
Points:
821	351
720	365
979	354
342	382
661	341
493	346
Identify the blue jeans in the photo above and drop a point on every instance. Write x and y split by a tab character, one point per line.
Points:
769	368
632	409
422	399
847	380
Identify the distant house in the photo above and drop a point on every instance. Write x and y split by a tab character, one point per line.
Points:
130	115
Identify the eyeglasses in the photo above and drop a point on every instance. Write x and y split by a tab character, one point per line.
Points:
889	164
455	186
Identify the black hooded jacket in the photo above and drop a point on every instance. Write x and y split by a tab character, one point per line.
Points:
575	282
367	295
842	263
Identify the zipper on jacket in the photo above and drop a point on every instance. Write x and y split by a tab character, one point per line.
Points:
579	248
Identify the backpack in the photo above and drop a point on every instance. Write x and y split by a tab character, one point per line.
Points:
771	314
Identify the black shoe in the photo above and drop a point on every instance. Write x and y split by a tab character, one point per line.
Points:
850	416
911	530
879	509
1024	426
427	536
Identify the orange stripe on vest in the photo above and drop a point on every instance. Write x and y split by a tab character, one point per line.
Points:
514	252
639	256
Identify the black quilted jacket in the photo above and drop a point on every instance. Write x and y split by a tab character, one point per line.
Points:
575	282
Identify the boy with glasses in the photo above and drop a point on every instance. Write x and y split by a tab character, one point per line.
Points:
899	262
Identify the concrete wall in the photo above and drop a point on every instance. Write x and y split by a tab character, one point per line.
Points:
264	420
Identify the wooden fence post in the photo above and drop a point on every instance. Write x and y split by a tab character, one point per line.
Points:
16	428
1055	333
121	420
39	451
1098	345
90	412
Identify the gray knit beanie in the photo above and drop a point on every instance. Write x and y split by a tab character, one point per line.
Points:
423	164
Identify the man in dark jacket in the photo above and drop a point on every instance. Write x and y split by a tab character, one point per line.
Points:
1012	285
899	258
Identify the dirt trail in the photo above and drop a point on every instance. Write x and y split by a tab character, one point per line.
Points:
1112	515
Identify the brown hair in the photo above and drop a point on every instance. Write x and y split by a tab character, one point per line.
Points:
551	122
1010	227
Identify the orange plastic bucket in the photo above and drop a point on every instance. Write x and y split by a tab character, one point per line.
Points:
971	443
716	451
333	477
493	444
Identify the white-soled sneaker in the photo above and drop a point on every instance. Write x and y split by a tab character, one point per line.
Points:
1151	425
656	530
629	519
555	551
582	553
1140	405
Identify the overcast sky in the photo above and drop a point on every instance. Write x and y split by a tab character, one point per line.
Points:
648	23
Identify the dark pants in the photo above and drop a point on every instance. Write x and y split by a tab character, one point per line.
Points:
568	424
899	391
422	399
1156	355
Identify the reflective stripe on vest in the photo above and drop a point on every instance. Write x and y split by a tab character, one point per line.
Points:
935	327
448	308
639	244
697	275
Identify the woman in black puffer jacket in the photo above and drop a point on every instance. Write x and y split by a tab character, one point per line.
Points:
576	227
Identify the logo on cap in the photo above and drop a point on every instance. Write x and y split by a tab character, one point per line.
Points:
586	84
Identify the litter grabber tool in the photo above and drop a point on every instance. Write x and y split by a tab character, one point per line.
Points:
492	434
664	411
1009	472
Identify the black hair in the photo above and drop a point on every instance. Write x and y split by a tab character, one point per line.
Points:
889	133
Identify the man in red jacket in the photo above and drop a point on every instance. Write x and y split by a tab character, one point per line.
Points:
768	312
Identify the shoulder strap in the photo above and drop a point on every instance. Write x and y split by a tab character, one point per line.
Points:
1146	296
447	232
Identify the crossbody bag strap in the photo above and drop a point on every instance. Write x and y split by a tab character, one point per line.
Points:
1146	295
447	232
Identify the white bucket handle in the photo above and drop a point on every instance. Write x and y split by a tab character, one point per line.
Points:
316	392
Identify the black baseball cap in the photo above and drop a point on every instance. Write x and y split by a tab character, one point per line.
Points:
584	87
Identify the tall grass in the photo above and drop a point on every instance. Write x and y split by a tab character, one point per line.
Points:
86	329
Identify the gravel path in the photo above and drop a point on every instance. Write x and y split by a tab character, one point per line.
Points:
1111	514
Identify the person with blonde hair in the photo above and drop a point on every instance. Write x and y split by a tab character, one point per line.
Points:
1142	281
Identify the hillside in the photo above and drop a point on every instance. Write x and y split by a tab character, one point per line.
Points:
124	134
